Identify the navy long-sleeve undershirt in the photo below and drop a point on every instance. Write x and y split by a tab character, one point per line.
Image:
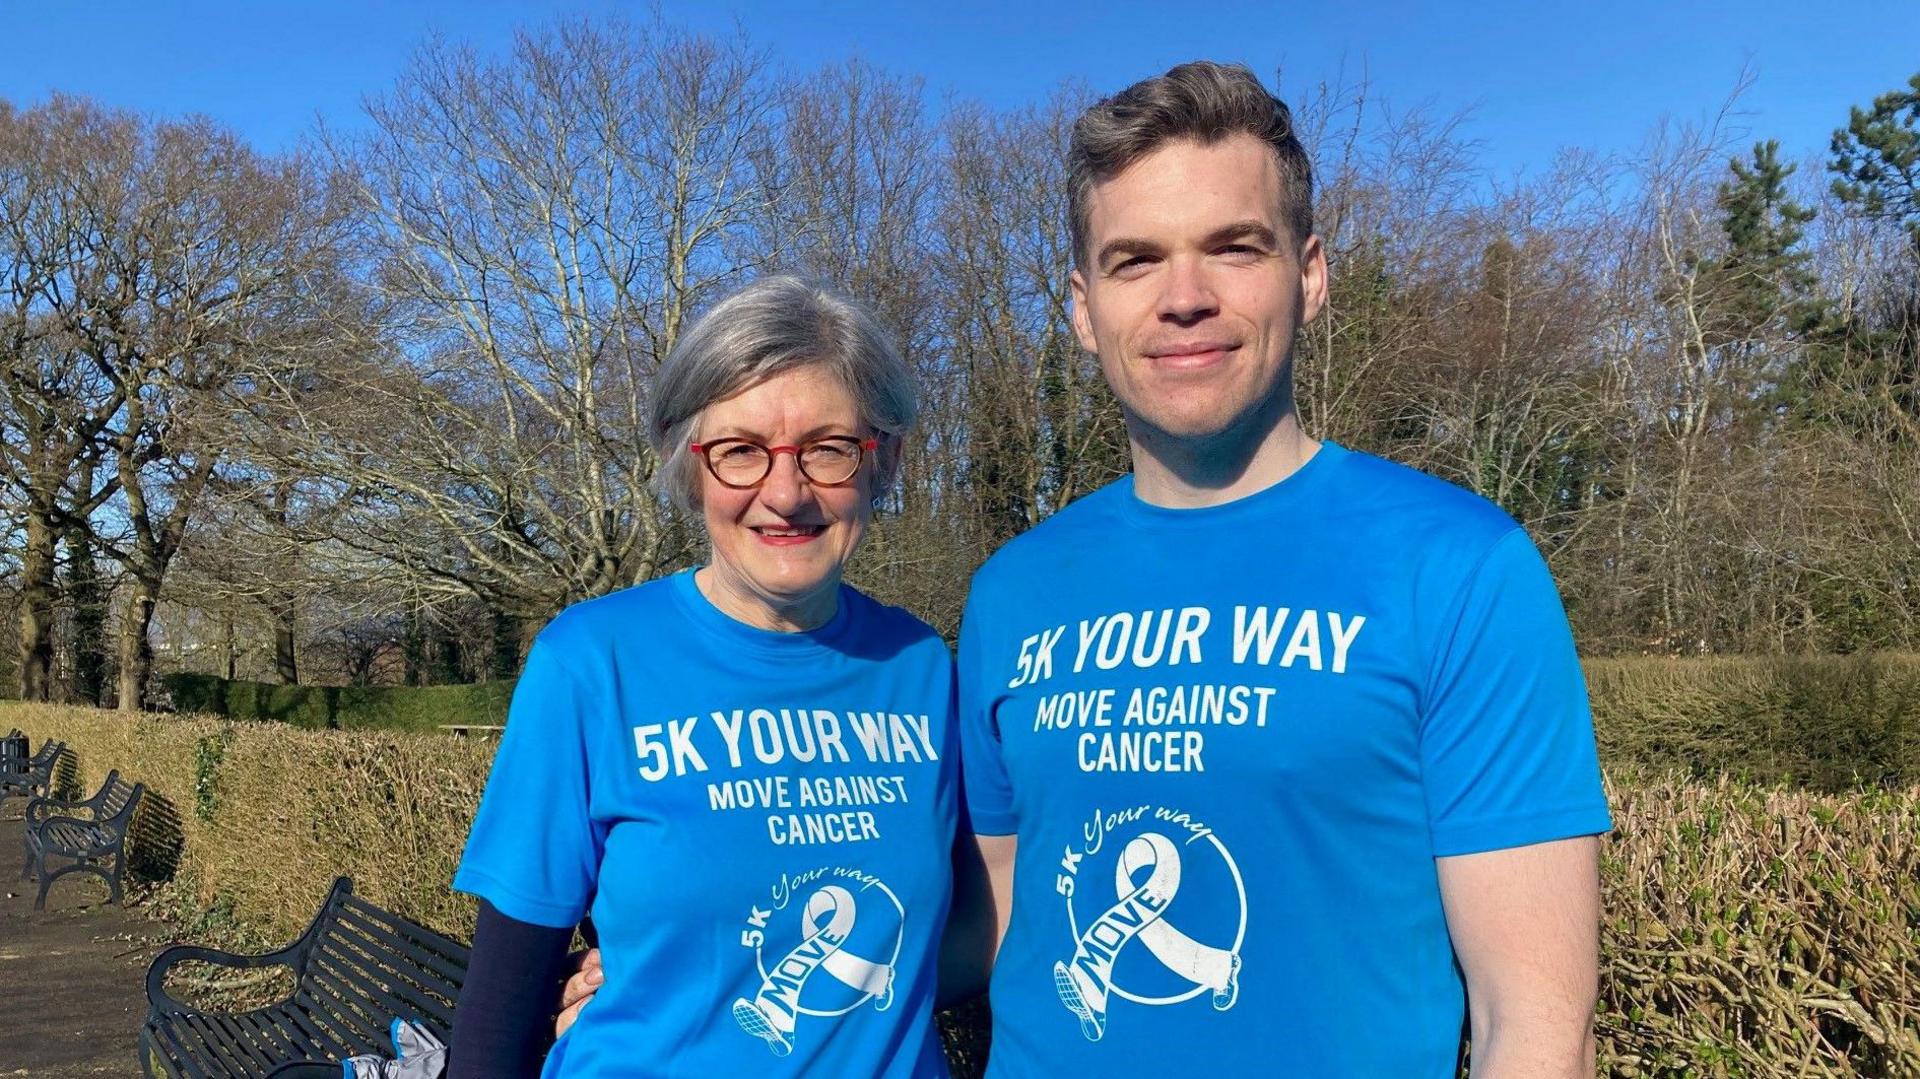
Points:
503	1026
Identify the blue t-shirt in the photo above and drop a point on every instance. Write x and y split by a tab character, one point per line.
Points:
761	821
1232	742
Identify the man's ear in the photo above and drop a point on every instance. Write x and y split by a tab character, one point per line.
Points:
1313	279
1082	319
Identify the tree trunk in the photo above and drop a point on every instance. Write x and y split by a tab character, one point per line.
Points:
284	606
136	647
507	633
284	663
414	647
450	669
37	591
233	650
89	627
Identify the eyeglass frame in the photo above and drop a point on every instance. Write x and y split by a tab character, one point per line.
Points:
864	445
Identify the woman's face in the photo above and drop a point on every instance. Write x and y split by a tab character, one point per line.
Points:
779	548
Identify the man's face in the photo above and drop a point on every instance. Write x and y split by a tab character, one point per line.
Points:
1194	286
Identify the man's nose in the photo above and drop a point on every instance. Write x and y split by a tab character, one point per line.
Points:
1188	294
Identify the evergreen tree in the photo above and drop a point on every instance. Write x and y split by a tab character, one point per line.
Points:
1765	274
1876	158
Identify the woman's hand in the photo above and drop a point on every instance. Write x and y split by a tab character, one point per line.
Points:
579	990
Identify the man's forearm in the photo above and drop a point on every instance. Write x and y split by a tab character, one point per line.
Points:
1532	1048
1525	926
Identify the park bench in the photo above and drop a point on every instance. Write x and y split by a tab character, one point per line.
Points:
356	969
32	778
90	835
13	750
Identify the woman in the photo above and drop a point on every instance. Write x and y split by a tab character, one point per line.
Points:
746	770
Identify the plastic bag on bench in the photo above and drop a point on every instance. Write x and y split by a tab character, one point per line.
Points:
418	1055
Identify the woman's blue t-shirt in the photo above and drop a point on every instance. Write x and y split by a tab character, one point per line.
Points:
761	822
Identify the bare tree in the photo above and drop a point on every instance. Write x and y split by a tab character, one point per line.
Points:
540	229
57	407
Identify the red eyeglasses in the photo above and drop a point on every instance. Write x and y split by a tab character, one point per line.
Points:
742	462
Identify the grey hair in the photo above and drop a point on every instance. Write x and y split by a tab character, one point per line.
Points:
1200	101
777	324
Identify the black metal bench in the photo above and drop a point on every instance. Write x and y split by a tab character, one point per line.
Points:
32	778
89	835
355	969
13	751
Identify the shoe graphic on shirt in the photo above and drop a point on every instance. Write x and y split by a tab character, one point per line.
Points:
1092	1025
755	1022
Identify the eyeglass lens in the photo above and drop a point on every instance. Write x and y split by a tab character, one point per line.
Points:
739	463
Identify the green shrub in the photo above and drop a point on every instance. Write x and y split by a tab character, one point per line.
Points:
1750	929
394	708
1830	723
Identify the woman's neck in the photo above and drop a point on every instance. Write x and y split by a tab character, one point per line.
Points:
735	599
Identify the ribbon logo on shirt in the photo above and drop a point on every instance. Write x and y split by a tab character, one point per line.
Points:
1147	878
828	923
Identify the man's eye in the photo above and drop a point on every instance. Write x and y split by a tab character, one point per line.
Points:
1134	263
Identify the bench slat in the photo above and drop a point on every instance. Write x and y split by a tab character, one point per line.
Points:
373	998
175	1055
269	1041
308	1038
214	1048
410	939
323	1033
439	973
241	1043
445	945
342	1003
345	1028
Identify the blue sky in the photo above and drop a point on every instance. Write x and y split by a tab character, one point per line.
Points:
1536	76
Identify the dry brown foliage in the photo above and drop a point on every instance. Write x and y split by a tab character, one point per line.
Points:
1750	931
1760	932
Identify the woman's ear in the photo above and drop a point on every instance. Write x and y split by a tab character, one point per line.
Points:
886	470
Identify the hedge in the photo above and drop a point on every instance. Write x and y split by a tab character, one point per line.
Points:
1826	722
1749	931
393	708
1753	927
1829	723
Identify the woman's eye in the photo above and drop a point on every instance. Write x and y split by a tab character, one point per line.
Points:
739	451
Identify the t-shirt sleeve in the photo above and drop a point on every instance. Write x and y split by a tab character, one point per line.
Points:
988	794
1506	741
534	851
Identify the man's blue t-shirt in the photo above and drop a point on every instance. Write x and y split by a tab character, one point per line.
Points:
1233	740
761	821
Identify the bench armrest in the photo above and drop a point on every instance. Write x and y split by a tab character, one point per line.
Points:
84	822
39	809
25	781
159	1000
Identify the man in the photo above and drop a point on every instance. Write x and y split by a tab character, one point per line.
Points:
1271	745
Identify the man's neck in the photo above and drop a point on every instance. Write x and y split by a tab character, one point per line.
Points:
1191	473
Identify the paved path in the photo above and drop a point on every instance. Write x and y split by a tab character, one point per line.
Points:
72	977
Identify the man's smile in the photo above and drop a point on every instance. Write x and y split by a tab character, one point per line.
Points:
1189	355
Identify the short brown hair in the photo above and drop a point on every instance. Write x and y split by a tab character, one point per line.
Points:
1202	101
